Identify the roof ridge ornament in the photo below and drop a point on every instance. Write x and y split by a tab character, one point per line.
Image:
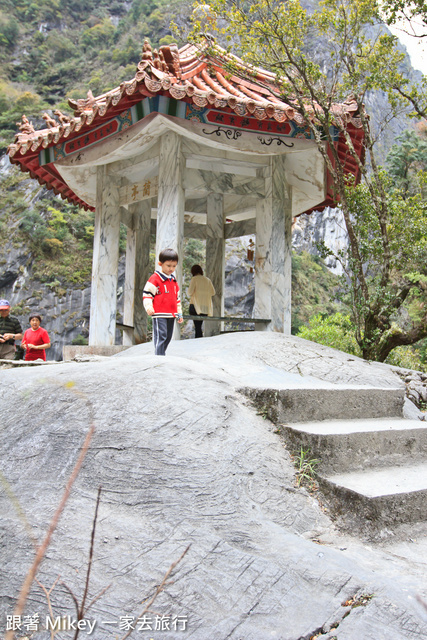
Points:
25	126
51	122
147	53
170	53
62	117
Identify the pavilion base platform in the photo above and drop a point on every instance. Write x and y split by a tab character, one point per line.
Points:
69	352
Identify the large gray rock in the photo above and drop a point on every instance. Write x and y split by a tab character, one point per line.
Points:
183	459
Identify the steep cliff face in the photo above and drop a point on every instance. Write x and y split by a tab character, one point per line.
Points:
321	226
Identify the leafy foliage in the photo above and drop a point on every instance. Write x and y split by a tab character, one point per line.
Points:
314	289
385	228
334	331
406	159
98	46
305	468
59	236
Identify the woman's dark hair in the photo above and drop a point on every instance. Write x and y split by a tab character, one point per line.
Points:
35	315
196	270
168	254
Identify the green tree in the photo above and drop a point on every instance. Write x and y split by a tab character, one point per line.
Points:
99	35
411	17
394	313
9	31
406	159
361	57
405	13
333	331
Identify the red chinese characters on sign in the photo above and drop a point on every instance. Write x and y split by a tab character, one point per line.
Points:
89	138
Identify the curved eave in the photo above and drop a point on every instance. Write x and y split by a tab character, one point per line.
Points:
49	177
193	78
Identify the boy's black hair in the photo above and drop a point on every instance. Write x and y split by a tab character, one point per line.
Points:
35	315
168	254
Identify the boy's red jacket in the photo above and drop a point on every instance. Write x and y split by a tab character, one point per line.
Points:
162	293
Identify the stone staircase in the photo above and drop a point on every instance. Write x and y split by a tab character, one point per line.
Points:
373	462
372	470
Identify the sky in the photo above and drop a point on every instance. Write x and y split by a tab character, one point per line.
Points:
416	47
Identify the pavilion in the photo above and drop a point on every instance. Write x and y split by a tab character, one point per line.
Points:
186	149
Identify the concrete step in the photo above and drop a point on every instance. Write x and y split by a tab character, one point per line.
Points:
379	497
350	445
326	402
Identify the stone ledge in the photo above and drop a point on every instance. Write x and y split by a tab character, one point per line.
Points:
69	352
8	364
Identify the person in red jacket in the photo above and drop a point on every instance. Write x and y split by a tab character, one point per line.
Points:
36	340
162	302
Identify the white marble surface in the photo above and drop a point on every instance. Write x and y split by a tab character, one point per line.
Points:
129	286
199	180
142	223
281	248
273	251
137	270
140	142
215	257
216	177
103	304
171	202
306	174
138	190
262	306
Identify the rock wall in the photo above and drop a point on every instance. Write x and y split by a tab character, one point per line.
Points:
326	226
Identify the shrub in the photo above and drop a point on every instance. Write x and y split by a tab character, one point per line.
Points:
407	358
333	331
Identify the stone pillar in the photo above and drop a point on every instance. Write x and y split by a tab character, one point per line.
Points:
262	280
129	287
103	302
273	268
137	272
215	257
171	201
142	221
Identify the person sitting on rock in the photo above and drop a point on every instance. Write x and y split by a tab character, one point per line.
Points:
10	330
36	340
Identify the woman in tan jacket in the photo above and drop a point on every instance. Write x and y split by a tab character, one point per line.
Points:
200	291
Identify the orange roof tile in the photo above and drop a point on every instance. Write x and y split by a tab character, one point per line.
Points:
188	74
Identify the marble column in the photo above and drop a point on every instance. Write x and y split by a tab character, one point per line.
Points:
171	201
137	272
215	257
273	263
262	279
103	303
129	286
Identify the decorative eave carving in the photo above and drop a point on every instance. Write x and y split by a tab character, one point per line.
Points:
205	76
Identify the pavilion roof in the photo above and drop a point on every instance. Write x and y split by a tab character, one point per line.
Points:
190	74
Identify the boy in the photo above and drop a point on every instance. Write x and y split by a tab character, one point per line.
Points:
161	300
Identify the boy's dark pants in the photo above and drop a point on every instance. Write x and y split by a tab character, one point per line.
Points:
162	334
